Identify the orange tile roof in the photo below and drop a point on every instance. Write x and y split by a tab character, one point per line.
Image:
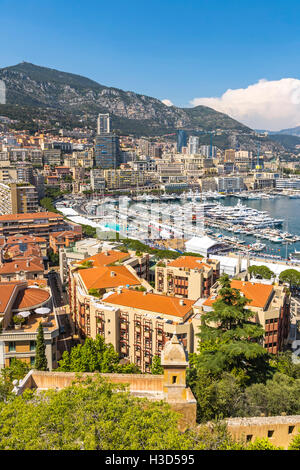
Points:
257	293
35	264
6	291
30	298
29	215
157	303
65	233
106	258
14	251
25	239
191	262
101	277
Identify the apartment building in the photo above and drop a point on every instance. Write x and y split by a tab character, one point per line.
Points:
288	183
169	172
97	180
58	240
37	224
18	197
230	184
31	267
8	173
19	341
90	279
78	173
261	181
270	305
52	157
80	251
21	243
136	323
188	276
36	157
115	179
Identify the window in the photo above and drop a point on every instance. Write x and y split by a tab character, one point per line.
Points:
11	346
270	433
249	437
291	429
32	345
174	379
32	360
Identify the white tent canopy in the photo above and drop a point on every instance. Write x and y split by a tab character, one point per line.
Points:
200	245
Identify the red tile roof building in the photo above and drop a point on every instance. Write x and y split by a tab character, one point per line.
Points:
37	224
63	239
188	276
20	339
271	308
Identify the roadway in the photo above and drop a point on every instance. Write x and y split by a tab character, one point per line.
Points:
65	340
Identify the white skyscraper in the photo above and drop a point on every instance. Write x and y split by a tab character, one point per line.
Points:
193	145
103	124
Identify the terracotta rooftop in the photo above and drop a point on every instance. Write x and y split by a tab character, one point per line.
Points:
107	276
64	233
6	291
106	258
29	216
191	262
13	251
25	239
164	304
33	264
30	298
257	293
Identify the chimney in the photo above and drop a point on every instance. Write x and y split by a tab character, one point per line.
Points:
181	302
145	292
112	274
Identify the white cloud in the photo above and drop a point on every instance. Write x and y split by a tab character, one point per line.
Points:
167	102
272	105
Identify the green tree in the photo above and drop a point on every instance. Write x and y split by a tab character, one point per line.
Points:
40	351
16	371
156	367
295	444
279	395
290	276
262	444
53	258
283	363
97	292
230	339
261	272
94	355
98	415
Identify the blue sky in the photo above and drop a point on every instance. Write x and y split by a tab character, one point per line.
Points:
171	49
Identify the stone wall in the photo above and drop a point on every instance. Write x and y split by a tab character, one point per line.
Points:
137	382
280	430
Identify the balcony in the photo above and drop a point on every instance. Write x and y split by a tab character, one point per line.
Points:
29	329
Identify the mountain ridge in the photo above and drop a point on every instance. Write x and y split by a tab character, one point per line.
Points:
33	86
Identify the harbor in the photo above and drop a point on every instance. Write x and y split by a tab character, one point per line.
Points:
240	224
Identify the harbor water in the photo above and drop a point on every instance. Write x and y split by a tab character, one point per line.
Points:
280	207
